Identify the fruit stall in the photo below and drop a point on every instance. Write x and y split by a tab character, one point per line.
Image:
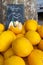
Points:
21	35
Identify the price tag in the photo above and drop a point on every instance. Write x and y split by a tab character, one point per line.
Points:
15	11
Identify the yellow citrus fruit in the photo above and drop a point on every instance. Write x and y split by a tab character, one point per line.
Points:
6	39
31	25
23	30
33	37
22	47
14	60
2	27
40	46
40	30
8	53
19	35
35	58
39	53
1	60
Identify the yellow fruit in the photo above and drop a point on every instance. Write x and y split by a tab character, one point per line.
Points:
14	60
8	53
22	47
31	25
19	35
2	28
1	60
35	58
40	46
40	30
16	28
6	39
39	53
33	37
23	30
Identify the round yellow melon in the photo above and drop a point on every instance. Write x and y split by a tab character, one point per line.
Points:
40	30
6	38
8	53
39	53
35	58
1	60
33	37
14	60
40	46
31	25
22	47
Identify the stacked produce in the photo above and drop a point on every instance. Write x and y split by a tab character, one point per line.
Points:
21	44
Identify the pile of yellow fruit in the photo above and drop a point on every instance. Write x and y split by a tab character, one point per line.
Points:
21	44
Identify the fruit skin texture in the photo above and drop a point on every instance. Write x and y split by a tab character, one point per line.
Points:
23	30
33	37
14	60
31	25
19	35
1	60
35	58
39	53
8	53
2	28
22	47
40	46
40	30
6	38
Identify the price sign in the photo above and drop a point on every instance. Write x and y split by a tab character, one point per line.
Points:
15	11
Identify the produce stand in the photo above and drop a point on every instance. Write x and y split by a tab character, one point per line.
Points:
21	36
